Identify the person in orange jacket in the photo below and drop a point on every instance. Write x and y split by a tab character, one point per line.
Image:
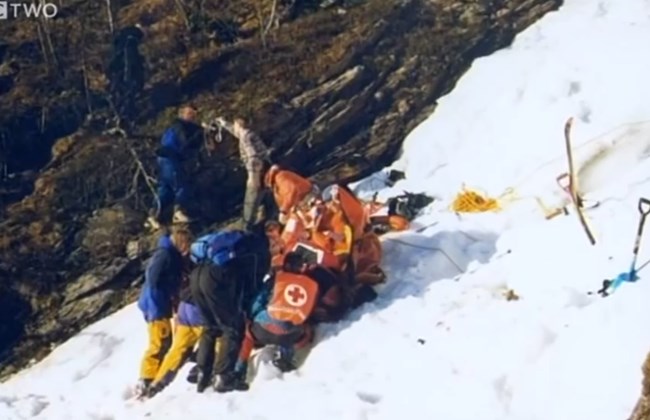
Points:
289	190
333	232
363	247
280	315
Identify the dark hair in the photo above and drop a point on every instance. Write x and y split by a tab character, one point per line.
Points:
293	262
254	259
271	225
189	105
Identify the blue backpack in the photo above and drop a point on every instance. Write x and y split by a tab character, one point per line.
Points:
218	248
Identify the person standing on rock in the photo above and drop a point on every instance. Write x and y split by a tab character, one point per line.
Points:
255	156
126	74
177	146
162	281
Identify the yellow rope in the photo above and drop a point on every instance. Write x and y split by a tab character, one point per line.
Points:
472	201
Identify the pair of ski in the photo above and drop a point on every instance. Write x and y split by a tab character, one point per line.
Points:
569	183
609	286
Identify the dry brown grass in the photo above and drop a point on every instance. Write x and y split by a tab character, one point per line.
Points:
145	12
5	242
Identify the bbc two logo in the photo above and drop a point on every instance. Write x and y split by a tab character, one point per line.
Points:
16	10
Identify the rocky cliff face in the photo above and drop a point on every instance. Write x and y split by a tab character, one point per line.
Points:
333	90
642	409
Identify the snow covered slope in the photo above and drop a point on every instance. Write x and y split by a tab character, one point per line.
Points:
442	342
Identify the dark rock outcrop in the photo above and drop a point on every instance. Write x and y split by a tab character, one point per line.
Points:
333	92
642	409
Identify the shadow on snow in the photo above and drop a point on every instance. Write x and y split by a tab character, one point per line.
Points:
413	261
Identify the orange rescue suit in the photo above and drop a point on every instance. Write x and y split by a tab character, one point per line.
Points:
288	187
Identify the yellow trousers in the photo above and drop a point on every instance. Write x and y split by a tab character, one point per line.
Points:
185	338
160	338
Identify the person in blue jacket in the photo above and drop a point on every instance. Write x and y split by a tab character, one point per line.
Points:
162	281
177	145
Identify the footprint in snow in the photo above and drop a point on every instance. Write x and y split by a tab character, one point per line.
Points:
32	405
369	397
102	417
39	403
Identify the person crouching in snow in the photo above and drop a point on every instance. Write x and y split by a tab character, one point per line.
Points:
289	190
280	313
162	280
223	291
329	229
187	332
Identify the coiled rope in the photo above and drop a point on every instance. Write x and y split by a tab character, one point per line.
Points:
472	201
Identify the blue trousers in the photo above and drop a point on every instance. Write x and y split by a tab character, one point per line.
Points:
172	184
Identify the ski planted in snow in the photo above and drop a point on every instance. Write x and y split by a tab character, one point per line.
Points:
573	184
584	204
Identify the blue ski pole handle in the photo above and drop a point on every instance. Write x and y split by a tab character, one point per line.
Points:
630	276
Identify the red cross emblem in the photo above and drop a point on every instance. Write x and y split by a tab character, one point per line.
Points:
295	295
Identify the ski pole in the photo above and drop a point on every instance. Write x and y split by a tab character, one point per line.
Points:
631	275
637	242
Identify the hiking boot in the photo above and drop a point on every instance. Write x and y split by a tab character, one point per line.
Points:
241	369
363	294
284	360
202	382
193	375
153	390
180	216
231	382
142	388
284	365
